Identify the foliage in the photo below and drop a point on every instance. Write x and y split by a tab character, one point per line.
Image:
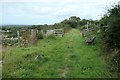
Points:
111	37
52	36
9	42
40	35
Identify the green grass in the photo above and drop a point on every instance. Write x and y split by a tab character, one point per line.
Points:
68	57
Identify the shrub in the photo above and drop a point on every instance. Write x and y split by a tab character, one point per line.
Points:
9	42
40	36
51	36
111	35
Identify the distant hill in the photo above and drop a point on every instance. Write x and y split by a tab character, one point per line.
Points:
15	25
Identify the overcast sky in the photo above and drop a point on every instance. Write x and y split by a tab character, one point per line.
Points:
51	11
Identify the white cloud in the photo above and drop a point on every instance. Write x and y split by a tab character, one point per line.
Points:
64	11
54	10
63	1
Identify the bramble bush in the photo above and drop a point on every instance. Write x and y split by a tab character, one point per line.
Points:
111	36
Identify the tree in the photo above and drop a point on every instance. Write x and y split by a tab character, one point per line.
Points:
74	21
112	33
74	18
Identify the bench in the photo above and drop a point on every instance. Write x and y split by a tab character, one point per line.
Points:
89	40
59	32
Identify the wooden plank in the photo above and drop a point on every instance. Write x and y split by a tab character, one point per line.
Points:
59	32
89	40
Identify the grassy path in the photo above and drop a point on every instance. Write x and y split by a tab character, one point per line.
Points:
81	60
67	57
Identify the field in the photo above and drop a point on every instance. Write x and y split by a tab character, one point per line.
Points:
56	57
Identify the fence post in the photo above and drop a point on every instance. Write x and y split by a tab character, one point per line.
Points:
33	36
18	35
